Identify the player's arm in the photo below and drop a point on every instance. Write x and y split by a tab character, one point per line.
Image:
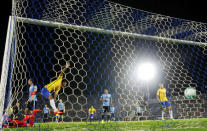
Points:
158	96
65	68
33	94
56	93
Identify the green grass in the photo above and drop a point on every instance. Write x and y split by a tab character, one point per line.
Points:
170	125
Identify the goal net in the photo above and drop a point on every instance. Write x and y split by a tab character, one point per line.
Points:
105	42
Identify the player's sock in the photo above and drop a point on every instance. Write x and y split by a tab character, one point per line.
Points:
108	117
102	117
52	104
171	114
163	114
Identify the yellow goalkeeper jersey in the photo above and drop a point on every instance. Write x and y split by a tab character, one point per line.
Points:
91	110
55	85
162	94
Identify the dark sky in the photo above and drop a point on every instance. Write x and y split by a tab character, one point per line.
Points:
187	9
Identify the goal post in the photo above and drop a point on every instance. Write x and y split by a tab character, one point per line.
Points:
7	65
105	31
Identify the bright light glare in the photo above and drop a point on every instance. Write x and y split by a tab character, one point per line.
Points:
146	71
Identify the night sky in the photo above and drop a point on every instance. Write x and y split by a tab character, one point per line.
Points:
185	9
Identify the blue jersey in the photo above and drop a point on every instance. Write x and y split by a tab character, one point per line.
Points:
112	109
106	99
61	106
32	89
46	110
138	109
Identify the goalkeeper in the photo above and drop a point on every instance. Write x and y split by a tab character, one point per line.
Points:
162	99
55	86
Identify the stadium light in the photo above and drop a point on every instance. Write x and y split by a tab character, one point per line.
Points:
146	71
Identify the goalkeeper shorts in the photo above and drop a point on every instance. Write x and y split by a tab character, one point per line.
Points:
45	92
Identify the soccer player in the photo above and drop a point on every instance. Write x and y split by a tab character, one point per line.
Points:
46	112
106	102
162	99
61	107
55	86
28	121
138	112
32	101
91	112
112	111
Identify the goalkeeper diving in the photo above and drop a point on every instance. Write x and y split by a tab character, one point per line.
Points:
162	99
55	86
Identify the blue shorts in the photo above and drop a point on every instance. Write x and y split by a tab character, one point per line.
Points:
165	104
45	92
91	115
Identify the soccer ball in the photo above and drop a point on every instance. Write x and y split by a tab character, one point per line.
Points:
190	93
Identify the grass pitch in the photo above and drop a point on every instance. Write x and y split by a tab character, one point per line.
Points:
147	125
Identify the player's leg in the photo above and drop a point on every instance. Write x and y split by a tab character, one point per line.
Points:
108	113
47	95
163	113
61	115
103	114
163	105
57	118
112	116
44	117
170	109
138	116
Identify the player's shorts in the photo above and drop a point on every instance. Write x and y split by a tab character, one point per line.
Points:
32	105
165	104
45	115
91	115
106	109
62	111
112	115
45	92
138	114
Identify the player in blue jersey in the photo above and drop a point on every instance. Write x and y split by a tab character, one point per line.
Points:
46	112
106	102
61	107
138	112
32	101
112	111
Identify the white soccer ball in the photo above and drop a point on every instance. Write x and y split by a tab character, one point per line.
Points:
190	93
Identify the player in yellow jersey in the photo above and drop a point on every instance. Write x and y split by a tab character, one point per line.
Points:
162	99
55	86
91	112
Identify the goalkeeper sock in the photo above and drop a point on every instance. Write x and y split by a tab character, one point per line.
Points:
171	114
163	114
52	104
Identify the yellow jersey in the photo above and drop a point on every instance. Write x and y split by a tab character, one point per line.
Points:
91	110
55	85
162	94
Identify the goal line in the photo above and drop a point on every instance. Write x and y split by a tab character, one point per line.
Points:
104	31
